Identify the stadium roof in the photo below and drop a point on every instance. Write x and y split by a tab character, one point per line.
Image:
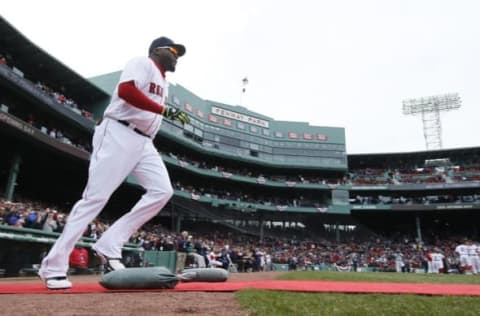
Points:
437	152
364	160
39	65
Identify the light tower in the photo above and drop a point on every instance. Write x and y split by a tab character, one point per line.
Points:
430	108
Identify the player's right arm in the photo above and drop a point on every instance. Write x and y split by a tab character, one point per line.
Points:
130	93
134	75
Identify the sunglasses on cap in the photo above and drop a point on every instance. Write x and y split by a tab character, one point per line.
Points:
172	50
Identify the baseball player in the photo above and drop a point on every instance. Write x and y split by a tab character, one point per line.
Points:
122	144
437	261
428	259
399	264
472	250
212	259
462	252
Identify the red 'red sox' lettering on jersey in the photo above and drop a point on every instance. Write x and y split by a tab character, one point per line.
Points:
155	89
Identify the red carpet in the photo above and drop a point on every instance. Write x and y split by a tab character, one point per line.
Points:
296	286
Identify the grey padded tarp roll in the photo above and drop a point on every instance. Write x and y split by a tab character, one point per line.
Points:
140	278
204	275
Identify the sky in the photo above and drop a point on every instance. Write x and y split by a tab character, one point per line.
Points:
340	63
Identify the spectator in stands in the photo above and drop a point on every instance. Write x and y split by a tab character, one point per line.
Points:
224	257
3	60
259	260
133	260
40	220
60	223
12	218
31	219
50	224
53	133
148	242
292	263
166	244
197	254
184	246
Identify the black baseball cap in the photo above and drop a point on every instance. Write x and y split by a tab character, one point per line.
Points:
166	42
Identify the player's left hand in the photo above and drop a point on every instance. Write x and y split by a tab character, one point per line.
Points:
176	114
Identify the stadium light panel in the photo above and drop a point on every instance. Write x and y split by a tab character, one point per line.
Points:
429	108
438	103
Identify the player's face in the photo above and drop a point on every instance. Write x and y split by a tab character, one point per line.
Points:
167	57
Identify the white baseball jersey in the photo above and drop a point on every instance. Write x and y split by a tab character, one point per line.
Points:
148	79
462	250
213	262
437	257
437	262
472	250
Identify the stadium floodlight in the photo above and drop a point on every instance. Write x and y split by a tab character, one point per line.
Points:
430	108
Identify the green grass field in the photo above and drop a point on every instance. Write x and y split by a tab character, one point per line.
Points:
381	277
259	302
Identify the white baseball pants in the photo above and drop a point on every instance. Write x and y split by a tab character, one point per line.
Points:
117	152
475	260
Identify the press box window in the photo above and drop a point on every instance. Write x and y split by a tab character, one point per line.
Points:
188	130
198	135
254	147
254	150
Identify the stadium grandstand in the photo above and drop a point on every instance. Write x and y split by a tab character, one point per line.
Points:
272	193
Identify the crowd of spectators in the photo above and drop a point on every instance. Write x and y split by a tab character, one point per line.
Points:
242	196
210	244
58	134
366	176
37	215
58	96
31	215
45	127
425	200
62	99
467	172
454	173
52	130
261	177
249	254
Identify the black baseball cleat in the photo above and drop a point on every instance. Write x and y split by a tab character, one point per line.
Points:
109	264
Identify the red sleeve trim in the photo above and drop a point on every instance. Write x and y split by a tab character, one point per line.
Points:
130	93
